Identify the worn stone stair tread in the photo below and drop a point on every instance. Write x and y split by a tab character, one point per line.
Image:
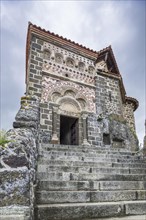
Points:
97	160
89	196
93	203
88	169
133	217
92	158
90	176
84	163
77	158
88	151
89	154
86	147
13	217
91	185
68	211
126	190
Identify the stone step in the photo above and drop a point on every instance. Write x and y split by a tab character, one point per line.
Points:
73	163
13	217
15	212
130	165
133	217
47	197
66	176
91	163
90	159
131	160
78	158
88	148
89	210
90	185
88	154
110	177
85	149
86	169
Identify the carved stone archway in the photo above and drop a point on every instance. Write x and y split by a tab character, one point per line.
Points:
69	106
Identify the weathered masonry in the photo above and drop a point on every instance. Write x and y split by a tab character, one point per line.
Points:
80	90
73	151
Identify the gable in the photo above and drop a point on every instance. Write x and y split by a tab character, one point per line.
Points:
106	61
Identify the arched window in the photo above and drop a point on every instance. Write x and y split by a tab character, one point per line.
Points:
90	69
58	58
70	62
81	66
47	54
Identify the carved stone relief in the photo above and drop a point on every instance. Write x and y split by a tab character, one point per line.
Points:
70	59
55	90
69	93
55	96
81	66
70	62
58	58
61	71
46	54
90	69
69	104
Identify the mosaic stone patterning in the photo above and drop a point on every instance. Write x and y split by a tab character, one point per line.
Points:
54	89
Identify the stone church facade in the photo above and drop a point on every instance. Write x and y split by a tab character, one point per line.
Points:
73	150
80	90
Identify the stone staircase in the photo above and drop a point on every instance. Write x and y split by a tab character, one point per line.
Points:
88	182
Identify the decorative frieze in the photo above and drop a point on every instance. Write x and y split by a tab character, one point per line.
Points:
65	63
60	71
54	89
66	53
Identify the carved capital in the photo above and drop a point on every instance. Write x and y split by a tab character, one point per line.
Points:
84	115
55	108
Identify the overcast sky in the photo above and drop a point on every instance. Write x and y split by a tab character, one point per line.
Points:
95	24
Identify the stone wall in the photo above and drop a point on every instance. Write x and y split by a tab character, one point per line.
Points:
34	77
129	115
94	130
108	96
113	127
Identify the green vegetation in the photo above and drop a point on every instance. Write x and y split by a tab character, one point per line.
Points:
3	138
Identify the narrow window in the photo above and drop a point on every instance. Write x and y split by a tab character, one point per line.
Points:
110	96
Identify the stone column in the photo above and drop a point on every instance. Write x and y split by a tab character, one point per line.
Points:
54	139
84	117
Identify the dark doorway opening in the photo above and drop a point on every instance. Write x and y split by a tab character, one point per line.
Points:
69	130
106	139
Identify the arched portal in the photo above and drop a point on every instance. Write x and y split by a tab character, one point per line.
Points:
69	116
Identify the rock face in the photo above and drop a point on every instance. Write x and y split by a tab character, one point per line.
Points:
14	187
73	149
18	163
